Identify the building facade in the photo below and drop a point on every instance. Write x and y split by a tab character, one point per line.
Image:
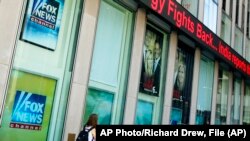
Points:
131	62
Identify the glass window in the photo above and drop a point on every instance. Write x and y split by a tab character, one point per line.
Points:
235	103
205	91
237	12
224	5
246	107
182	86
99	102
226	28
152	75
38	88
210	14
248	49
221	98
243	15
248	17
191	6
144	112
231	4
227	7
238	43
110	64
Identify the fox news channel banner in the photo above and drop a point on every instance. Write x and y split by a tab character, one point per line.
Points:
201	132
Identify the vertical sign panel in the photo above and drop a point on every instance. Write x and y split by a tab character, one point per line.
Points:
42	22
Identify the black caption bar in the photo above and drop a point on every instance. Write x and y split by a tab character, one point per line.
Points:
225	132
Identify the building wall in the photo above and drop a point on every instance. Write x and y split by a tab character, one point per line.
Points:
9	26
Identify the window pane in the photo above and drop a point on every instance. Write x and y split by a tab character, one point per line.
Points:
99	102
246	107
238	43
248	49
107	48
210	15
221	98
226	28
144	113
191	6
205	91
235	104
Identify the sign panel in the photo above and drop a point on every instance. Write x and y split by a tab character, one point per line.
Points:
42	22
28	111
28	107
178	16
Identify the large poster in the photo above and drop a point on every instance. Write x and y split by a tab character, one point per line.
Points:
42	22
28	107
182	86
151	65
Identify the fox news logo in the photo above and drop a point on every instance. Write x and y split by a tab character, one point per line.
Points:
28	111
44	12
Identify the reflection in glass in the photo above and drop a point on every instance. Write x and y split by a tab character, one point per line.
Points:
221	98
205	90
176	115
238	43
248	49
246	107
210	14
99	102
226	28
191	6
235	104
144	113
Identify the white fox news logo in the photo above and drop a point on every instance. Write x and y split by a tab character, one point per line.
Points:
28	110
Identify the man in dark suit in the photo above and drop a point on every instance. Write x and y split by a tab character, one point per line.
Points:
157	67
146	83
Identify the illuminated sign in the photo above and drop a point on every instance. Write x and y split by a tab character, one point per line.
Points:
174	13
28	110
42	23
45	13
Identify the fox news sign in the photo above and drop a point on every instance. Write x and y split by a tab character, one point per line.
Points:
28	111
44	12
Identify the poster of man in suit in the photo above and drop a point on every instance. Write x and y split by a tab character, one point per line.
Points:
151	64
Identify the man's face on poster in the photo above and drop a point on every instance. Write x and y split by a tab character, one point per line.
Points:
150	38
157	50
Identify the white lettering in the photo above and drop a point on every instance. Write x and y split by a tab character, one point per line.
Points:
185	132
